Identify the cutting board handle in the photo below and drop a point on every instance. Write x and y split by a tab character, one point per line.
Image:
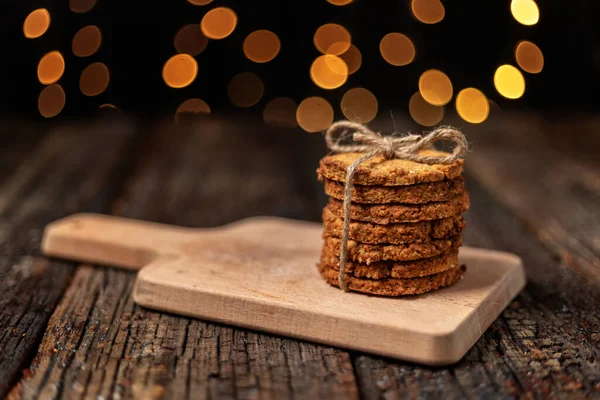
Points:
109	240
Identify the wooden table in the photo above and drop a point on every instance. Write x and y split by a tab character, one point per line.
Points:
73	331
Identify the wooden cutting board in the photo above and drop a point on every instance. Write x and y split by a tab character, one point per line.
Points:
260	273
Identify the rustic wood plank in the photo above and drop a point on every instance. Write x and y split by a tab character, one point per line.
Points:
546	344
45	176
99	343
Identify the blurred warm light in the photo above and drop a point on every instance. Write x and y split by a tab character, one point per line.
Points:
94	79
424	113
51	101
397	49
314	114
86	41
509	82
435	87
529	57
180	70
281	111
191	107
359	105
200	2
428	11
353	59
218	23
108	110
108	105
340	2
190	40
329	71
245	89
332	39
36	23
472	105
525	12
261	46
81	6
51	67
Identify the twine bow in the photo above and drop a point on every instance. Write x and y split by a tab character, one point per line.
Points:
406	147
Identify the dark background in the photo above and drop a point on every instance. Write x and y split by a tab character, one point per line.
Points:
473	39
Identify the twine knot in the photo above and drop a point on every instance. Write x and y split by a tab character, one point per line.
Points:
406	147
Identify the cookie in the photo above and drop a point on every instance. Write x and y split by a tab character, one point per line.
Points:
412	194
369	253
386	172
394	286
393	269
366	232
398	213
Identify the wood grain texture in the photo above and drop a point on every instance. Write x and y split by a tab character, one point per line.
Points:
43	177
99	343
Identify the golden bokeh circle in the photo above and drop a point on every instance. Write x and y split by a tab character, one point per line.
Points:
435	87
329	71
428	11
218	23
51	101
51	67
86	41
190	108
94	79
353	59
332	39
424	113
359	105
36	23
472	105
200	2
529	57
526	12
340	2
245	89
180	71
397	49
281	111
190	40
509	82
81	6
314	114
261	46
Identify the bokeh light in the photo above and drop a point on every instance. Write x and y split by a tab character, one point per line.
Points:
51	101
424	113
428	11
314	114
51	67
525	12
245	89
200	2
218	23
36	23
81	6
332	39
397	49
329	71
94	79
190	40
353	59
359	105
281	111
529	57
261	46
86	41
180	71
509	82
340	2
191	108
472	105
435	87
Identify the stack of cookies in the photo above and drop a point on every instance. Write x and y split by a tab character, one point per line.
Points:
405	224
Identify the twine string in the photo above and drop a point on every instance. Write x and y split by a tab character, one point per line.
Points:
372	144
